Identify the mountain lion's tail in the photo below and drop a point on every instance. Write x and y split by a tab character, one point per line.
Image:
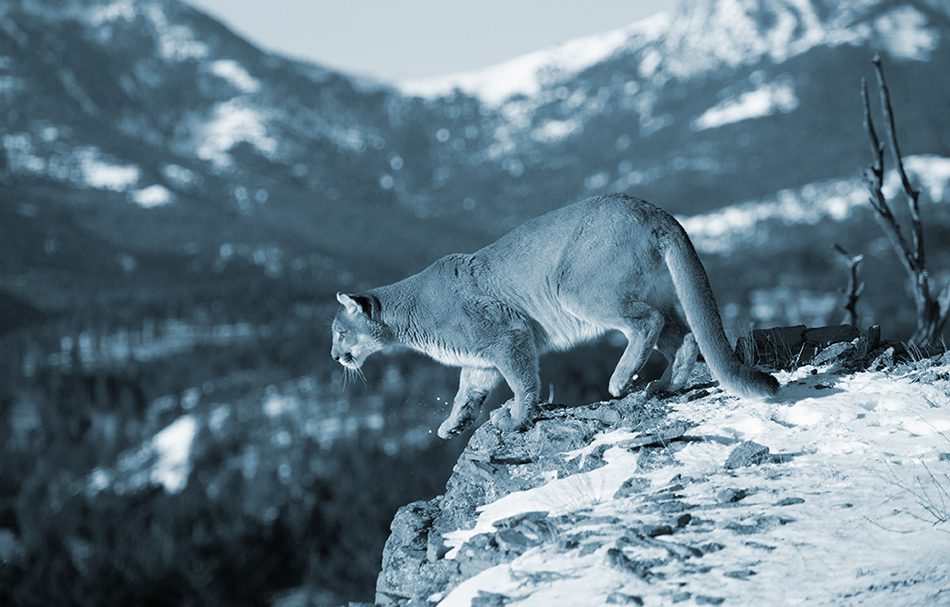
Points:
699	304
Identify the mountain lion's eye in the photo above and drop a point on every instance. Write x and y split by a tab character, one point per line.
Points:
342	334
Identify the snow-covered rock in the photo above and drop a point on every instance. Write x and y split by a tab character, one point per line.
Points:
833	492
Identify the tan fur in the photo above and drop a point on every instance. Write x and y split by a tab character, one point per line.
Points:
605	263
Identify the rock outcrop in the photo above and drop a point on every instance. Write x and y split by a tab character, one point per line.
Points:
495	464
691	496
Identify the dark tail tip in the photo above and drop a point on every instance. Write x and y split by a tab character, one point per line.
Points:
754	383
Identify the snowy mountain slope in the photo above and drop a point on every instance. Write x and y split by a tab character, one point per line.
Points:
194	141
165	122
727	230
723	499
527	74
669	45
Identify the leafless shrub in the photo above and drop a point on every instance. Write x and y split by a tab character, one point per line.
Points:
932	311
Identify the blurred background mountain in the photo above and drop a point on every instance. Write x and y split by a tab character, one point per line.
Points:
178	208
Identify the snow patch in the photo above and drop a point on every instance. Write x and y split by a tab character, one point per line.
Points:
528	73
698	38
21	155
905	34
556	497
234	73
179	176
231	123
931	173
763	101
175	42
153	196
173	449
555	130
123	9
106	175
722	230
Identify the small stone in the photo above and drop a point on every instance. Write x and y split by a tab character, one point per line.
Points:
681	596
607	414
731	496
747	454
861	348
835	353
884	360
659	530
589	548
790	501
490	599
631	487
711	547
617	559
673	506
533	516
512	541
708	600
620	598
944	457
684	520
740	575
435	550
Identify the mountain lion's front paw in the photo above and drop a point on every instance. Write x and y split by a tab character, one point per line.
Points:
619	386
509	418
452	427
501	418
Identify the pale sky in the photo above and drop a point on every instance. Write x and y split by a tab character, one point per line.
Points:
396	40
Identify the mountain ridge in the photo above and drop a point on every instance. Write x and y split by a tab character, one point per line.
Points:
155	117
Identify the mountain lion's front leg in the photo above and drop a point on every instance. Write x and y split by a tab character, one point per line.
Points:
516	357
474	386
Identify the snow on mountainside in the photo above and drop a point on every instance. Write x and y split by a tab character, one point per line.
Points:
697	38
526	74
725	230
836	492
175	127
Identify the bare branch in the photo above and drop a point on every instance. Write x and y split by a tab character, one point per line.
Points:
877	148
932	313
855	286
913	195
874	179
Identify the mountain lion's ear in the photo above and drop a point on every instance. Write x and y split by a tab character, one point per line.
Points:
365	304
348	302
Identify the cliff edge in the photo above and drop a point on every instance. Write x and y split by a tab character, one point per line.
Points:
835	491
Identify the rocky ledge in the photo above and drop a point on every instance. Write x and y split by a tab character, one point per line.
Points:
699	497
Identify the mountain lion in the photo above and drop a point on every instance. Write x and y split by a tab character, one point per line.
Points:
606	263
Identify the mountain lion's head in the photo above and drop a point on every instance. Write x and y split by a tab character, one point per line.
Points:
357	330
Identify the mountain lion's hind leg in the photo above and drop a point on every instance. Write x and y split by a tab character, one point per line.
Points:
474	386
641	325
679	348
